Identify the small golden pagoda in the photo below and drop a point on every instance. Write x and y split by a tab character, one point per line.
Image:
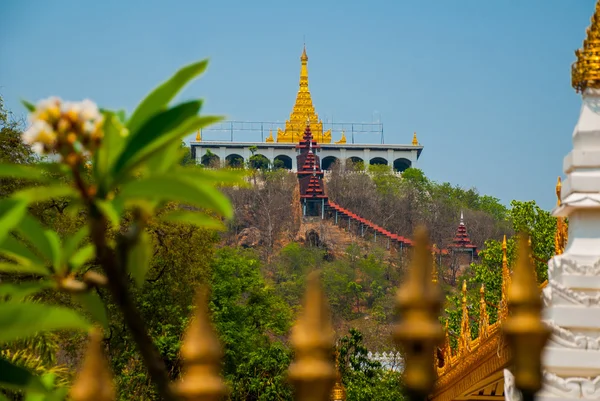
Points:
585	72
303	110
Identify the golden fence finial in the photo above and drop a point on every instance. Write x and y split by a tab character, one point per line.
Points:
524	331
447	345
465	324
312	373
338	393
201	352
419	331
561	234
94	382
503	312
484	318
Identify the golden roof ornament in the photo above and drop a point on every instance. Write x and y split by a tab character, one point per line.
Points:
464	342
198	136
503	312
201	352
270	137
313	373
94	382
524	330
484	318
342	139
585	71
419	332
415	142
338	393
561	234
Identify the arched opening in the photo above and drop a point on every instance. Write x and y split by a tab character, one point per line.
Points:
402	164
355	164
376	161
282	161
234	161
259	162
328	162
210	159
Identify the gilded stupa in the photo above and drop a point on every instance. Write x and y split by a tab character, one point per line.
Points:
303	110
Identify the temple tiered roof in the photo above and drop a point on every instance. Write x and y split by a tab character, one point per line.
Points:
461	238
309	173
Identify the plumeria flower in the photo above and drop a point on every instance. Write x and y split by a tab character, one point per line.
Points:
72	129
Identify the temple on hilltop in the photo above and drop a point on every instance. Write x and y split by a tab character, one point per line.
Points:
310	176
280	149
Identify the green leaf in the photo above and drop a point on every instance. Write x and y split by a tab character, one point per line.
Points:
71	243
22	171
81	257
138	260
12	248
41	194
48	381
160	97
178	189
21	320
17	378
112	144
151	131
29	106
12	212
18	292
193	218
23	269
43	239
92	303
109	210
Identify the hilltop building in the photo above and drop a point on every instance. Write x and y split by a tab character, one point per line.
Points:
282	148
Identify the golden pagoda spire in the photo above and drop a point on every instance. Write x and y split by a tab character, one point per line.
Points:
585	72
503	312
270	137
303	109
342	139
198	136
465	324
338	393
484	318
415	141
561	234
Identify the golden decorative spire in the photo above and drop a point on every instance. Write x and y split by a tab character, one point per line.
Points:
419	331
201	352
464	341
524	331
447	346
503	312
561	234
342	139
338	393
303	109
270	137
585	72
198	136
484	318
94	382
312	373
415	141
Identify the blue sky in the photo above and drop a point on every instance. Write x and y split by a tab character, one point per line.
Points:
485	84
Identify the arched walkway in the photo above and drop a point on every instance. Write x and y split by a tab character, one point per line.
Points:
378	161
328	162
210	159
282	161
259	162
355	163
402	164
234	161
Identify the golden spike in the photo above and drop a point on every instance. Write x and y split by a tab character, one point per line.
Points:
198	136
585	72
415	142
465	324
312	373
484	318
561	234
270	137
338	393
201	352
524	331
447	346
434	271
94	382
503	312
419	331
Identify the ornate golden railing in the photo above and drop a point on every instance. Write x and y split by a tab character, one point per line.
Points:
313	373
